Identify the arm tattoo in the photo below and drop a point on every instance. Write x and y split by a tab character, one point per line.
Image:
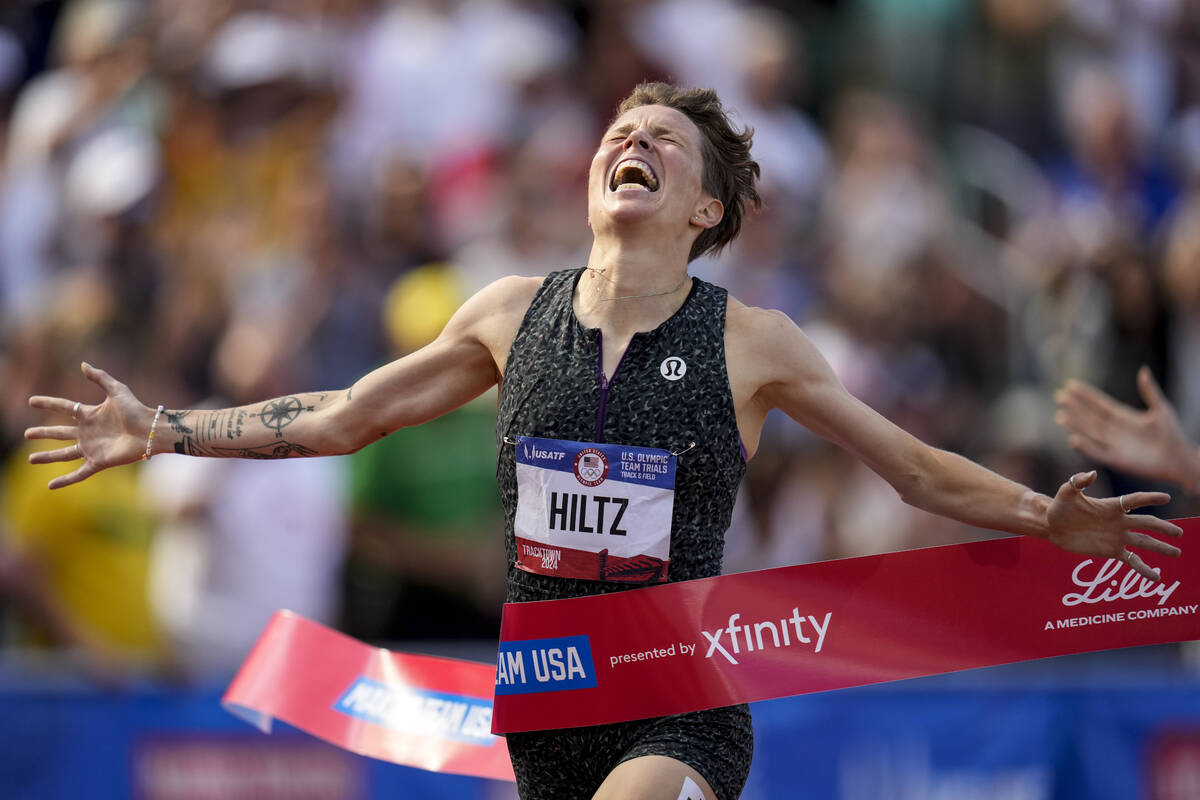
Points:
279	413
190	446
222	433
211	426
176	418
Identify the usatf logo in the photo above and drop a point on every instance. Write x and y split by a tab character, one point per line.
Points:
545	665
419	712
535	452
591	467
673	368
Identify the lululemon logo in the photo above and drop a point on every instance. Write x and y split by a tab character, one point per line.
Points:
672	368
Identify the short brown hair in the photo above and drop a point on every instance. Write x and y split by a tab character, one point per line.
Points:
729	172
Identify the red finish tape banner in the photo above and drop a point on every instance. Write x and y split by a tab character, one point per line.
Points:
420	711
688	646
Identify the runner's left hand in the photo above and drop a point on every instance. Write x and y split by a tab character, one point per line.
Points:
1103	527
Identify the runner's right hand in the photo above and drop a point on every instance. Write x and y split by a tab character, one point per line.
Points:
105	435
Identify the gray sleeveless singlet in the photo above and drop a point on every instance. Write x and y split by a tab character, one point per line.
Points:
670	391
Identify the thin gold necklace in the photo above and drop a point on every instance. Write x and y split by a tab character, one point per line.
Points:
600	271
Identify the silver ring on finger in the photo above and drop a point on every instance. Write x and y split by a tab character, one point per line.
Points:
75	410
1125	556
78	451
1121	501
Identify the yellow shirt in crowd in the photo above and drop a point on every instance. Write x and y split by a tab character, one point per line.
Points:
92	542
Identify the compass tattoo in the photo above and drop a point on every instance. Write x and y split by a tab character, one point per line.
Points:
281	412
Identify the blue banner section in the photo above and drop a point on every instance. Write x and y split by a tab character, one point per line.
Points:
595	462
545	665
1004	732
1128	734
436	714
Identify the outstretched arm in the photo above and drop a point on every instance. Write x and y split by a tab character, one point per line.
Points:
795	378
462	363
1148	443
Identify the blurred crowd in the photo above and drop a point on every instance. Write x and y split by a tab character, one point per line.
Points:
967	202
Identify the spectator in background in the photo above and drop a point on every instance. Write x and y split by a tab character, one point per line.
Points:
466	102
241	540
1094	310
76	264
1000	79
1129	39
244	218
1111	183
690	40
102	82
773	264
886	229
12	65
900	45
532	236
613	59
424	553
1181	284
76	564
770	64
109	267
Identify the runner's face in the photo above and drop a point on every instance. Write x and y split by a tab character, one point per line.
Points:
649	164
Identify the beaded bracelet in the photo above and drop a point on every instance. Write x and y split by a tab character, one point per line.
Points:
150	438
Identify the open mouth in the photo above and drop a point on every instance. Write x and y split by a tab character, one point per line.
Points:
634	173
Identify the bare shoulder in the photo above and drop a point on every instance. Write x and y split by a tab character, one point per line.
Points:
770	360
493	315
763	338
509	295
742	320
496	304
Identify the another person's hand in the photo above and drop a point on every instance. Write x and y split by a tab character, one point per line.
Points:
1103	527
1147	443
105	435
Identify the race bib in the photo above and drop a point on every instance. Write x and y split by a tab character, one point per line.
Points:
600	512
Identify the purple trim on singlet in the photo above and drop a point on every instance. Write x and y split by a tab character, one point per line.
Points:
602	407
